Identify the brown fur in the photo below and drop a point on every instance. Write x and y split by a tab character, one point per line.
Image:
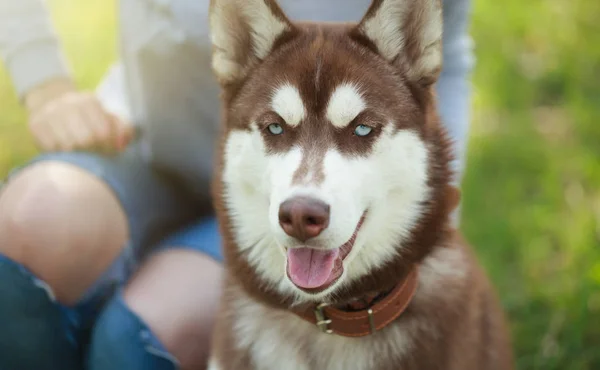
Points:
460	326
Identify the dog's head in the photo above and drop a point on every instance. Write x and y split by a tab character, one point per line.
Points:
333	174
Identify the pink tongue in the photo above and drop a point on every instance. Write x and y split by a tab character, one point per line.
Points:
310	268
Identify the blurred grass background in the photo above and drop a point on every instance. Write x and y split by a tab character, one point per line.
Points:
532	187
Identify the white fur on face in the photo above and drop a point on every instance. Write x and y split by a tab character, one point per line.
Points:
247	187
397	192
344	105
288	104
391	183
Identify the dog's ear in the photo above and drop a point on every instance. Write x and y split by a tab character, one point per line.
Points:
243	33
407	33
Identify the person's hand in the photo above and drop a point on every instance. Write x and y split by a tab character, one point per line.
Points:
61	118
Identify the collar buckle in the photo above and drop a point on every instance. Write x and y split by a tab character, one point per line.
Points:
322	321
371	321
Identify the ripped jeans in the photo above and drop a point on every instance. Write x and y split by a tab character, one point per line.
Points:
100	332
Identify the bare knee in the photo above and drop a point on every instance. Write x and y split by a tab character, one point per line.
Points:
63	224
177	295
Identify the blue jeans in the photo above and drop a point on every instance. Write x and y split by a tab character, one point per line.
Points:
101	332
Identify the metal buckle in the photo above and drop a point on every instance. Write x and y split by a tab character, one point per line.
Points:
371	321
322	321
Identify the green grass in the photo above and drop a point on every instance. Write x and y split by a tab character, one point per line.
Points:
532	187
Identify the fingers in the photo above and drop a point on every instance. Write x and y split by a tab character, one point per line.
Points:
77	121
79	136
42	136
99	126
123	132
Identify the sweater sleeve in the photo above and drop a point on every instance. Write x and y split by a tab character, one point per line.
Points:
28	44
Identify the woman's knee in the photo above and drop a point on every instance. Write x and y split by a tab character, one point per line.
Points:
63	224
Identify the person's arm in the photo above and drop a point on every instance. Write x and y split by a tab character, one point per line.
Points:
60	116
31	51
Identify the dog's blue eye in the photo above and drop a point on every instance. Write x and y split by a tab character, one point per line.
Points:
275	129
362	130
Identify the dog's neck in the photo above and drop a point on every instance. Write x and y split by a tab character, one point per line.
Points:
366	315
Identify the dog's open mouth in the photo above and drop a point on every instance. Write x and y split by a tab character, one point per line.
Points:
314	270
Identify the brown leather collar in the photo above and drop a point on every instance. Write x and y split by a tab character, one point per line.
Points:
366	321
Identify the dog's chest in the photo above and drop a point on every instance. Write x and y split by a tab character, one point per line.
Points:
277	339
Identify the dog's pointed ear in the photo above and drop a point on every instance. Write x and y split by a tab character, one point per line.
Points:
407	33
243	33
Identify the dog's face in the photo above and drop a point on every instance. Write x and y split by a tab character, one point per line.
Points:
330	143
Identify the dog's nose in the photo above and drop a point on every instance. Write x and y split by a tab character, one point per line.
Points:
303	218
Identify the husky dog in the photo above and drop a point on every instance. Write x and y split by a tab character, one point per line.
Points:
334	195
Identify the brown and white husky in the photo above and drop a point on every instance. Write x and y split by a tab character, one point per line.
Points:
334	195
